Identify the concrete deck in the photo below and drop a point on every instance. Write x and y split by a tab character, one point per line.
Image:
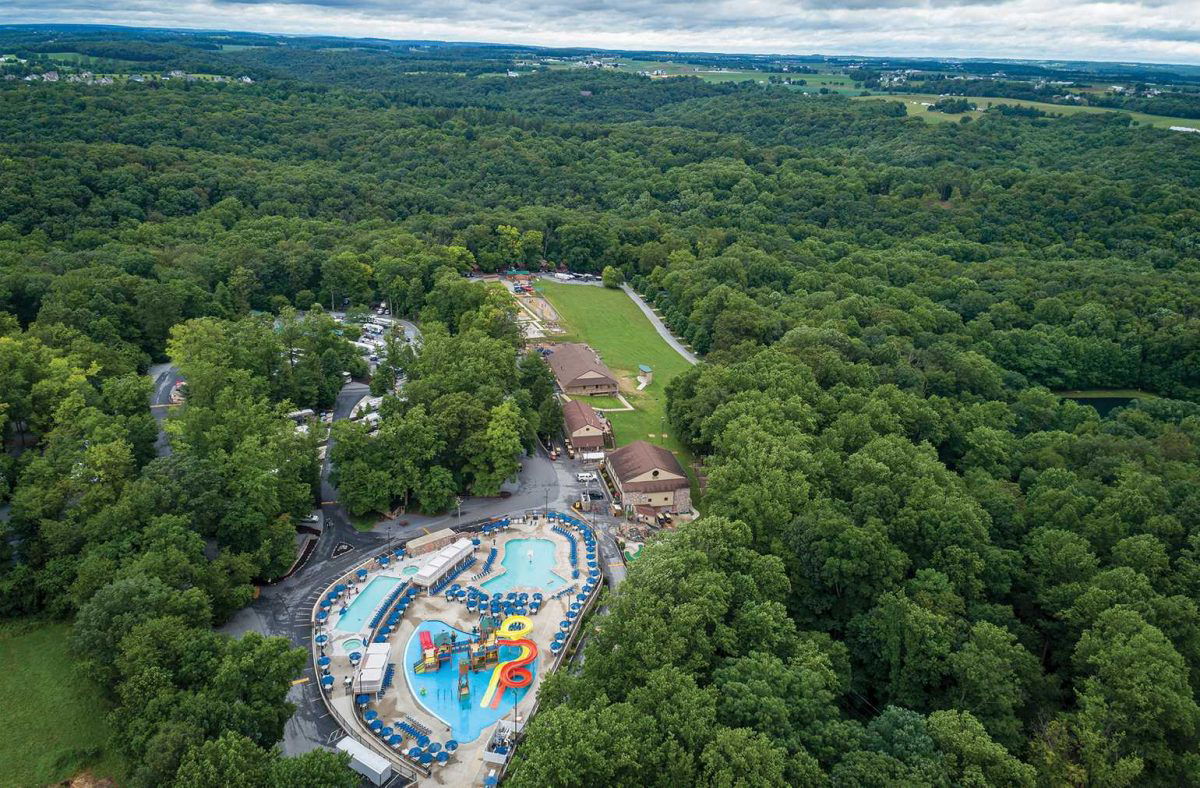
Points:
467	765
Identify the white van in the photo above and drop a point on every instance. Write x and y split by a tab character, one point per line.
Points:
586	476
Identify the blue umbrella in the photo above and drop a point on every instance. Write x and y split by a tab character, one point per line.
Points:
395	739
385	630
362	573
593	572
362	700
323	661
537	595
385	732
339	588
442	757
414	752
355	656
325	603
321	639
565	625
581	597
371	715
327	681
322	615
435	747
451	745
423	740
375	725
489	781
381	639
556	646
576	605
572	613
425	759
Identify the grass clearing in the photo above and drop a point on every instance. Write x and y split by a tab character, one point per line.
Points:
612	324
1105	394
913	103
55	718
601	401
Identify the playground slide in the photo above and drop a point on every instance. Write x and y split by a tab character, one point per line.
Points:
426	640
512	673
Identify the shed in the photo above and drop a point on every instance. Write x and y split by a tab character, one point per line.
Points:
430	542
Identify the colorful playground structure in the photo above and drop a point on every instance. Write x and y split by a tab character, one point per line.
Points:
512	672
483	652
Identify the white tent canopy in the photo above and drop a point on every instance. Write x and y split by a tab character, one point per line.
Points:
443	562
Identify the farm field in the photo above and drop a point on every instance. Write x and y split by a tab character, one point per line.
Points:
612	324
912	101
707	73
55	722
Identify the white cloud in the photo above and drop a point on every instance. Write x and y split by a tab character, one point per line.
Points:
1120	30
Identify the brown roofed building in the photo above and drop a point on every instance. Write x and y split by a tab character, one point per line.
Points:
586	429
649	475
579	370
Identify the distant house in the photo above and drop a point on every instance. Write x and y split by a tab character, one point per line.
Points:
579	370
648	477
586	429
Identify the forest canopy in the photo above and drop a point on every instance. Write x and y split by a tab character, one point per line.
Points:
918	564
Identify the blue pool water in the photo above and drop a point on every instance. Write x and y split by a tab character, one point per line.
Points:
363	605
528	563
466	719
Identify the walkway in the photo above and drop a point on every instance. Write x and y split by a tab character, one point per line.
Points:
661	327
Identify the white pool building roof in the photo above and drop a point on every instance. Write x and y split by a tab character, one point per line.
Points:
443	562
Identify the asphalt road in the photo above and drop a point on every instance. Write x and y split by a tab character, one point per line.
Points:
164	377
661	327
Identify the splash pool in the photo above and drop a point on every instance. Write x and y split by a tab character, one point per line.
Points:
356	616
411	570
528	563
437	692
352	644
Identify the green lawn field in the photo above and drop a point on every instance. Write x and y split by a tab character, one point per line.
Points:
55	722
913	101
612	324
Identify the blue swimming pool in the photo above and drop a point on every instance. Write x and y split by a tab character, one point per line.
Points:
364	604
528	563
466	719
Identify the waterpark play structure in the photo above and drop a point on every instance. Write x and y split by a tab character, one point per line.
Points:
512	672
483	652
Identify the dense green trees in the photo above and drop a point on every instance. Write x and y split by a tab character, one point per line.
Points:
918	564
471	404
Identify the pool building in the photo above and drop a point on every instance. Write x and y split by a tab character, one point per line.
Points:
452	645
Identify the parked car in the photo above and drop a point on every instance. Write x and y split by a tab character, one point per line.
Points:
585	476
595	495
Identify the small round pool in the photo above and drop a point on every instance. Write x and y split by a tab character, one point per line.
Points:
411	570
352	644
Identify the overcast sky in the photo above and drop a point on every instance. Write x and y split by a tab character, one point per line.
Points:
1166	31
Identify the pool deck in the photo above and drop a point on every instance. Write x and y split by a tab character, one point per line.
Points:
467	766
